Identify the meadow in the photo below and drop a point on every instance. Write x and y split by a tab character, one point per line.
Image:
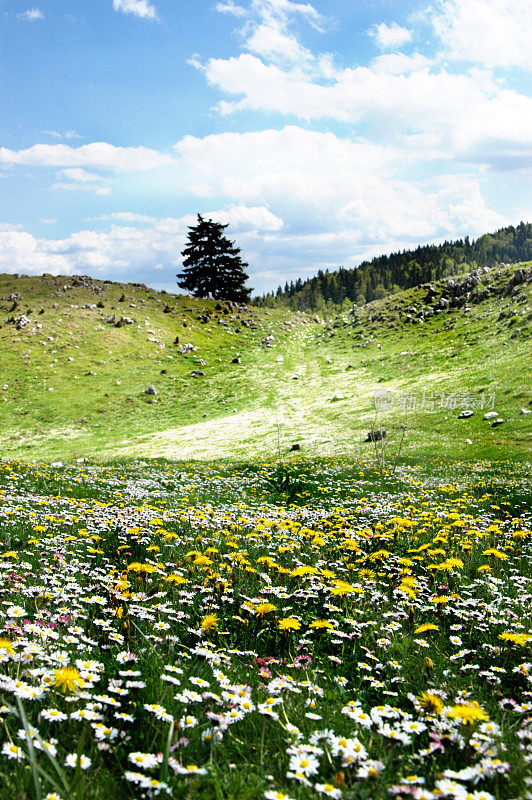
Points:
291	629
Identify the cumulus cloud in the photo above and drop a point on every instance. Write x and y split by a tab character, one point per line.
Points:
396	95
495	33
21	252
138	8
31	14
390	36
97	155
319	181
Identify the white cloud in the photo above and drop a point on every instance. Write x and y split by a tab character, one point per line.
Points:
78	178
64	135
272	41
319	182
127	216
396	95
80	174
31	14
229	7
266	29
139	8
495	33
21	252
248	218
97	155
390	36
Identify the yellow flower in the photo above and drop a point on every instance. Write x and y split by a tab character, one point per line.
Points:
6	644
175	578
431	702
468	713
427	626
264	608
492	551
299	572
322	623
516	638
342	587
289	623
68	679
209	621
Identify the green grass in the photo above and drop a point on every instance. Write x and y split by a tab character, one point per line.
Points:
75	386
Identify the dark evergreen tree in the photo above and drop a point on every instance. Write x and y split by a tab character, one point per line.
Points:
212	266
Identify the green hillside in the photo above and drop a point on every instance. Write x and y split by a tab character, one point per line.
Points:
77	356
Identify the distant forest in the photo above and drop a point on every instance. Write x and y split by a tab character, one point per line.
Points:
385	275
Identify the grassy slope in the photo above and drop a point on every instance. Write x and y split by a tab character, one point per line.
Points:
241	410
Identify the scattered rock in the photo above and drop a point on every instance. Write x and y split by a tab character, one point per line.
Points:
21	322
468	441
197	373
465	414
295	447
236	360
151	389
526	411
497	422
186	347
491	415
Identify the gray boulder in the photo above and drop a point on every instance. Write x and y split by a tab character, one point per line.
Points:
465	414
151	389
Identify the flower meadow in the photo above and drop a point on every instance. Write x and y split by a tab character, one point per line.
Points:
190	631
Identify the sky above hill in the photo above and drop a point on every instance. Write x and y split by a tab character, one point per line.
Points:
323	132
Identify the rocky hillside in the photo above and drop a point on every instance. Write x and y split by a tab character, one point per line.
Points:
102	370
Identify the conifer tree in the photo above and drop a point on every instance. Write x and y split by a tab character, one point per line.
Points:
212	266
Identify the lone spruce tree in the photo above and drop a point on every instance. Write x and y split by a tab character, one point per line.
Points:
212	266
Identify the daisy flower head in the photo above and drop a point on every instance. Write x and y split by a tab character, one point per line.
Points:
72	761
328	790
144	760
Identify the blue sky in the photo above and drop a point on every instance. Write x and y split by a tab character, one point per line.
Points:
322	132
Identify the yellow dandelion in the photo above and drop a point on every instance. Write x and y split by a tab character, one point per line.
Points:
427	626
432	703
68	679
289	623
468	713
7	645
209	621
